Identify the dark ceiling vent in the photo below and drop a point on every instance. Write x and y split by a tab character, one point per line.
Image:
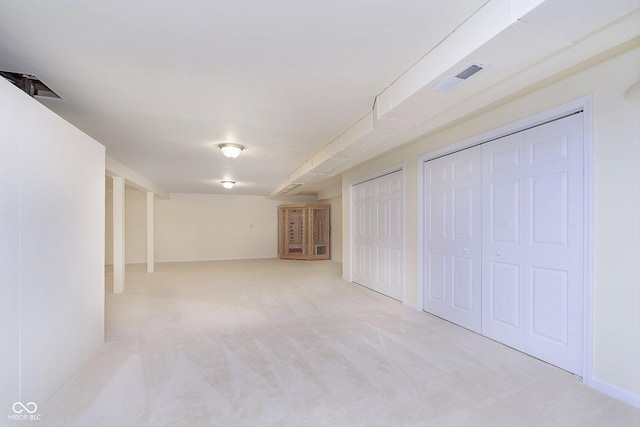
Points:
30	84
469	71
462	75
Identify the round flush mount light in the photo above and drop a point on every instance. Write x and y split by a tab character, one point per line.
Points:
228	184
231	150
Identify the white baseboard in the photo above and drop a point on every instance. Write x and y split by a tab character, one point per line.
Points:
212	259
615	391
193	260
411	305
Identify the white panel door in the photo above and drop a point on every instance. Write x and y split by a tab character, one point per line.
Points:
555	243
503	234
389	237
533	245
378	234
362	231
452	264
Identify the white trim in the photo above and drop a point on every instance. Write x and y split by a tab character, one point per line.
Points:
196	260
349	253
421	242
114	168
119	235
214	259
411	305
614	391
403	194
379	174
514	127
587	340
150	232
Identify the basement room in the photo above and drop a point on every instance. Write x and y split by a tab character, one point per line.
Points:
340	213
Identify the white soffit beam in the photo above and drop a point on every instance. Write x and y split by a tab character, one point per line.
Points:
599	43
114	169
576	19
285	189
549	28
321	156
488	22
526	47
296	191
314	178
534	54
330	193
333	152
521	7
359	130
363	137
329	165
303	169
336	148
515	39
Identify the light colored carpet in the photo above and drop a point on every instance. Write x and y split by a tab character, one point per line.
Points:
287	343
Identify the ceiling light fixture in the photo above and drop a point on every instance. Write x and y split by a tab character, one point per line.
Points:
228	184
231	150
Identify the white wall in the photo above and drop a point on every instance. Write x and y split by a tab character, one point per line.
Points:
108	221
336	227
9	262
193	227
51	250
616	292
135	224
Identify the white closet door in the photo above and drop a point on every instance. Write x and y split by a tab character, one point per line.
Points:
555	244
362	232
532	241
503	234
378	237
453	238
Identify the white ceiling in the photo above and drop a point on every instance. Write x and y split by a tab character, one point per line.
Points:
160	83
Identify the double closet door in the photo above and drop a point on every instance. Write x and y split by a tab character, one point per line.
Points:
378	233
504	242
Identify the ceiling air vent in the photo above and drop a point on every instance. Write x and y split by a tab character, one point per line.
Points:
462	75
30	84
